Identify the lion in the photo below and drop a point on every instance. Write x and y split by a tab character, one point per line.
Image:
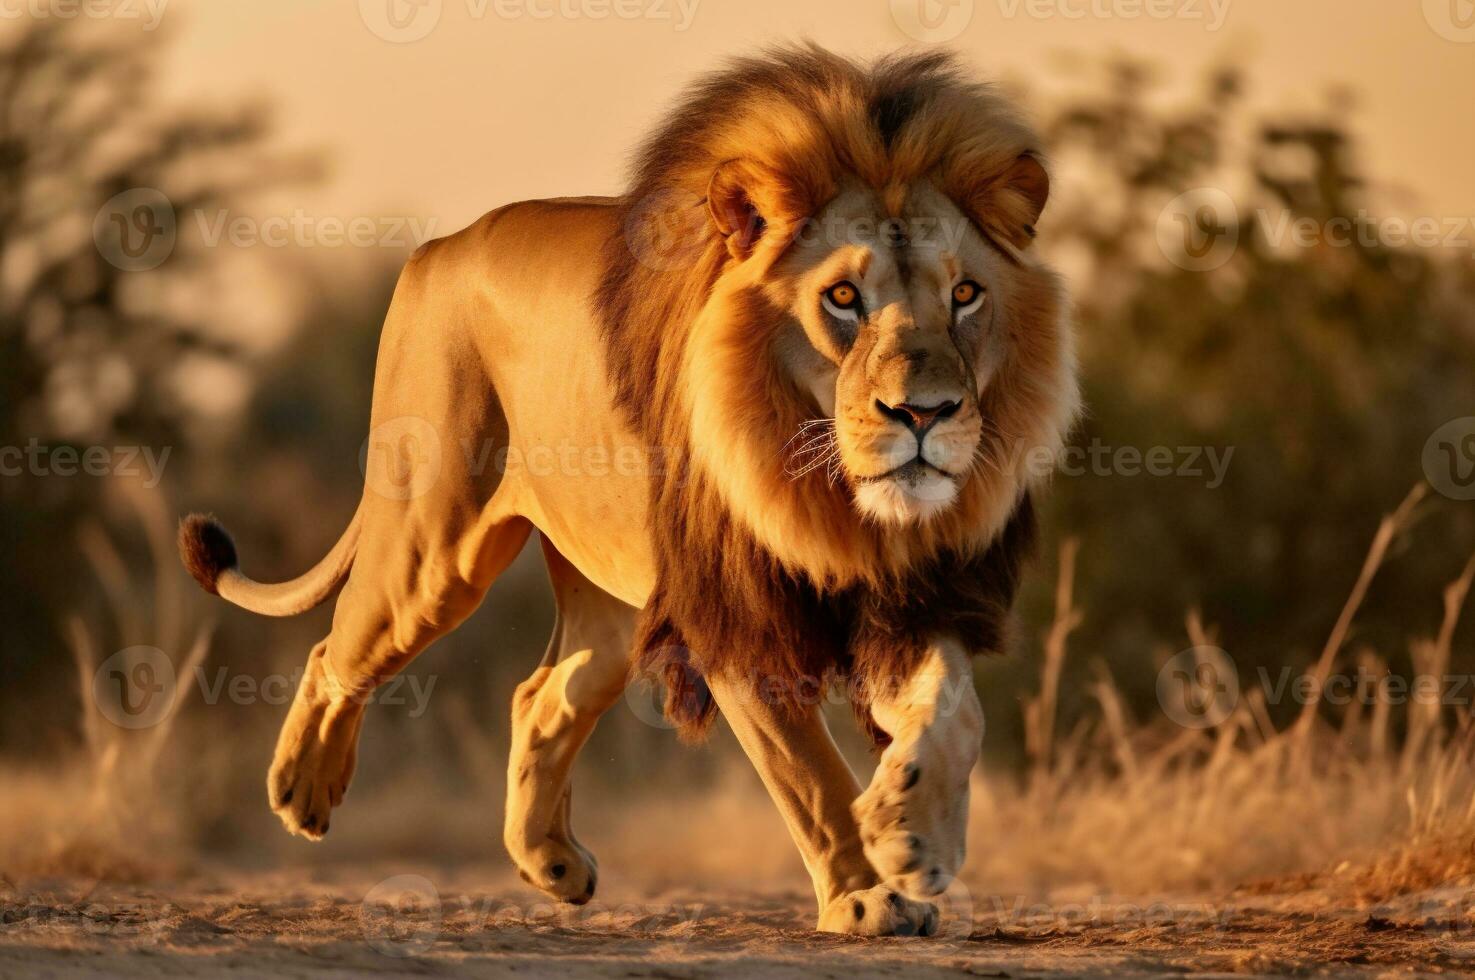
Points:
776	414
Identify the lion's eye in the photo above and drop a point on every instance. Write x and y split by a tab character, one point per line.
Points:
843	300
844	295
967	297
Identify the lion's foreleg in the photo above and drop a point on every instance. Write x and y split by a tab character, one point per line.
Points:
914	816
813	788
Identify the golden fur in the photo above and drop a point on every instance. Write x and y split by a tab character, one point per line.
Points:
691	343
516	379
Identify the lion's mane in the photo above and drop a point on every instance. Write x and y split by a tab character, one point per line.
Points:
788	585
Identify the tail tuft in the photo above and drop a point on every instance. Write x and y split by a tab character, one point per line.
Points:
207	550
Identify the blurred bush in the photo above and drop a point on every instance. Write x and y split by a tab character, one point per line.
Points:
1324	367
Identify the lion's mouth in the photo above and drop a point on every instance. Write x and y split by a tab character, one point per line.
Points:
909	473
909	494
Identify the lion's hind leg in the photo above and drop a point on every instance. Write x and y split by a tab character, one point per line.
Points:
553	712
316	751
399	598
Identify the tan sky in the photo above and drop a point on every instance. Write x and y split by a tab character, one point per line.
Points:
507	99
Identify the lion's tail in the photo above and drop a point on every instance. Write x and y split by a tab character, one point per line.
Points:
210	556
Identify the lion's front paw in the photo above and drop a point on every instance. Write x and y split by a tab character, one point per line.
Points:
879	911
913	819
565	870
314	760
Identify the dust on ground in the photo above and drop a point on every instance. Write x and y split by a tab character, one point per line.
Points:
387	923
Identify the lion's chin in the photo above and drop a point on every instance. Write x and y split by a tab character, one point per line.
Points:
913	494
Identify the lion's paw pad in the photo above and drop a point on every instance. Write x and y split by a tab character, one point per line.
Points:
879	911
313	765
566	871
912	824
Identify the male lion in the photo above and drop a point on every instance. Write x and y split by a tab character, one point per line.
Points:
777	413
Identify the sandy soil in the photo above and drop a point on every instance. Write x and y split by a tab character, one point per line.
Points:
432	925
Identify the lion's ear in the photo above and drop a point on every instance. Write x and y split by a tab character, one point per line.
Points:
746	199
1008	206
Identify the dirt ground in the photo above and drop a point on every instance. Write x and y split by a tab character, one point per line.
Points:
442	925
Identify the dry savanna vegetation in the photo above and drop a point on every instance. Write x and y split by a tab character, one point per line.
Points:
1341	838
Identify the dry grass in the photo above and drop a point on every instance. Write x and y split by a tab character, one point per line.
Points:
1377	798
97	814
1131	809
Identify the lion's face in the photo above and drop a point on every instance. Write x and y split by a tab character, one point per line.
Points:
879	362
893	333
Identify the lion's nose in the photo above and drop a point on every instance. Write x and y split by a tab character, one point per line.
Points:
918	418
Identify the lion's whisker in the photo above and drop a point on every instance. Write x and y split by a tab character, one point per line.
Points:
804	428
813	450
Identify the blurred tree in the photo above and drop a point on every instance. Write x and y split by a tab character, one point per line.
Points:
1325	365
92	175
